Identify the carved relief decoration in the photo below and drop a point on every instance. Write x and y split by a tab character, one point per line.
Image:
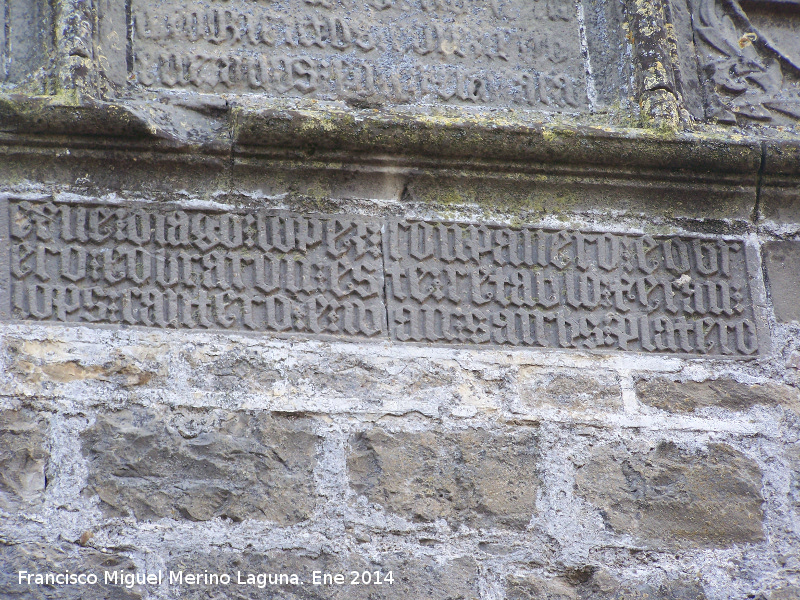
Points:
749	56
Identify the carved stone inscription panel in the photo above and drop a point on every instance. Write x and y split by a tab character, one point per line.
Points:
523	53
257	271
478	284
431	282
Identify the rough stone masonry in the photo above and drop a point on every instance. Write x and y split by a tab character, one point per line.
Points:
420	299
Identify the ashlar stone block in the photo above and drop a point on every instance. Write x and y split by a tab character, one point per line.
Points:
689	396
199	465
418	577
475	477
43	558
782	260
676	497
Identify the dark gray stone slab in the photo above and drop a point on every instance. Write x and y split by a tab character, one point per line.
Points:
608	52
26	39
782	260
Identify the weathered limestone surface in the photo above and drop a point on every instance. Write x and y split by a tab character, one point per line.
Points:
599	585
63	557
785	593
52	362
673	496
478	478
689	396
525	473
794	480
569	390
23	457
424	577
780	260
373	53
199	466
456	283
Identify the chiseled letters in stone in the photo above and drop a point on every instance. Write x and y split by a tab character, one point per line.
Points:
444	282
478	52
479	284
259	271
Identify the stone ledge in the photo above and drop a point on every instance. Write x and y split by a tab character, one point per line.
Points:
252	131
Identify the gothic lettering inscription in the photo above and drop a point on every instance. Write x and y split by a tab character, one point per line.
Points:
471	52
479	284
175	268
408	281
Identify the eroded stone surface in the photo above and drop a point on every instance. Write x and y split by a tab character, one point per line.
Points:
26	40
503	52
475	477
785	593
675	497
481	284
42	363
530	587
258	270
761	35
689	396
23	457
595	584
59	558
214	103
231	369
451	283
199	465
793	464
782	260
569	390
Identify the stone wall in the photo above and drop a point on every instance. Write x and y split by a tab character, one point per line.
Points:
466	471
419	299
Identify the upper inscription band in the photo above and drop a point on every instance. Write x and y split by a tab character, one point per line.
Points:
450	283
467	52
